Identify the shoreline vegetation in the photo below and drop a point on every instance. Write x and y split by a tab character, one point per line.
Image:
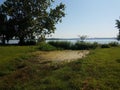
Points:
47	66
27	64
112	39
79	38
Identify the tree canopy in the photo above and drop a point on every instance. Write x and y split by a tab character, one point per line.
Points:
118	26
29	18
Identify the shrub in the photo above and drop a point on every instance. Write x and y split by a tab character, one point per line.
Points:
105	46
95	45
30	42
77	46
61	44
46	47
85	45
114	44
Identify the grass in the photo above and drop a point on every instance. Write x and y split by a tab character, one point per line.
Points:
100	70
11	56
46	47
61	44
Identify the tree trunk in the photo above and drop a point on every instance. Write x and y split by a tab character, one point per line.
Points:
21	41
119	31
3	40
118	37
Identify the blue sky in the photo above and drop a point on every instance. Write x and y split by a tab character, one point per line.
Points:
94	18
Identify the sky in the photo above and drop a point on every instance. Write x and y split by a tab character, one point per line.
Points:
94	18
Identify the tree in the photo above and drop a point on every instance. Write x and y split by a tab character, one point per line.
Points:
10	29
3	20
33	17
7	29
118	26
82	37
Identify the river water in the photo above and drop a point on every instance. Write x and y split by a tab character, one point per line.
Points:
91	40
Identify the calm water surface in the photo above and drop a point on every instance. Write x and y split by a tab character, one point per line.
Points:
92	40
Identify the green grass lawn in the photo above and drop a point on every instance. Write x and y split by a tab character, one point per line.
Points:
100	70
11	56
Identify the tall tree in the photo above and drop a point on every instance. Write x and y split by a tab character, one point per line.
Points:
7	30
33	17
2	27
118	26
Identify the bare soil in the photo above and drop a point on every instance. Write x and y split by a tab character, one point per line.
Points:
65	55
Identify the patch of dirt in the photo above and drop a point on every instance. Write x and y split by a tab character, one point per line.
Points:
65	55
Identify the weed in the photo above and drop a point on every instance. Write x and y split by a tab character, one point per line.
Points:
46	47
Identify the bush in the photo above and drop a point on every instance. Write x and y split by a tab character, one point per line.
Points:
85	45
30	42
95	45
61	44
114	44
77	46
46	47
105	46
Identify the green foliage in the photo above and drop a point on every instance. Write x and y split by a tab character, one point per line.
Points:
111	44
82	37
105	46
3	20
61	44
81	45
85	46
31	42
33	17
114	44
118	26
46	47
77	46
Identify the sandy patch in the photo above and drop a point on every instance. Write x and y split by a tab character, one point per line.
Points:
65	55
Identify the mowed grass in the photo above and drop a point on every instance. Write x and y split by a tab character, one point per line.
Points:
100	70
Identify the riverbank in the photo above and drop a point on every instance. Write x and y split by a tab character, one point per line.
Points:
74	40
21	69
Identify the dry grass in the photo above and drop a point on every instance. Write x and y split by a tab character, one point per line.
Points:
64	55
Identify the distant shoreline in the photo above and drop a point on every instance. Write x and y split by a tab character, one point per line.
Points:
75	38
